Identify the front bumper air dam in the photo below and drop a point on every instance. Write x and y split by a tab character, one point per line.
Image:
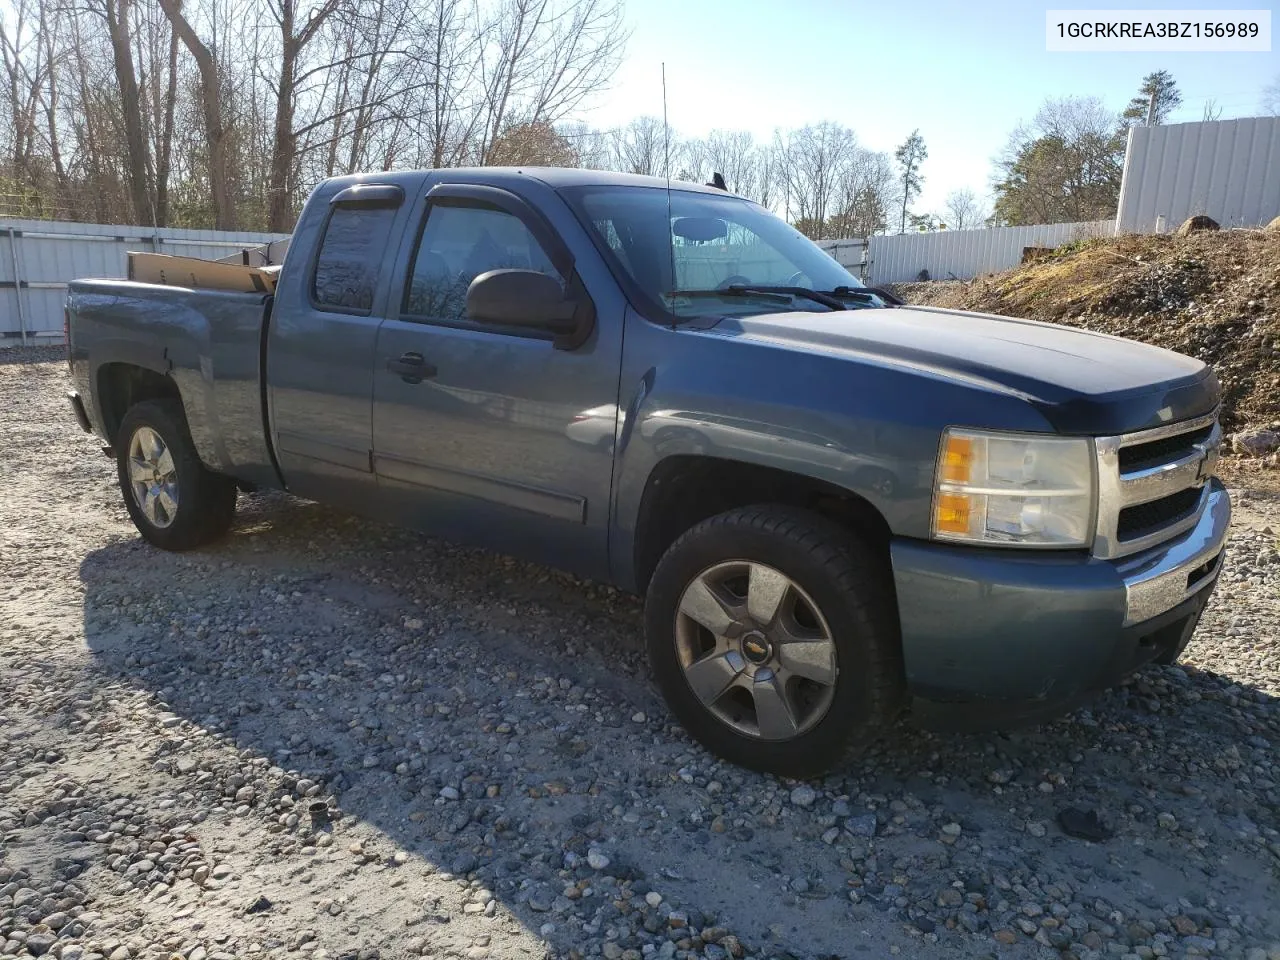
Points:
997	636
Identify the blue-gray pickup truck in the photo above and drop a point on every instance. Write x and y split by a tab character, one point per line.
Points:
838	508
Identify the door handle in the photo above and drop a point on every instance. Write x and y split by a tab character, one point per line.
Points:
412	368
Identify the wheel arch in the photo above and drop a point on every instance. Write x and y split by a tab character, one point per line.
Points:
120	385
683	490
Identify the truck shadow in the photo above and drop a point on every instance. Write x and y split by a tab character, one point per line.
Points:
496	718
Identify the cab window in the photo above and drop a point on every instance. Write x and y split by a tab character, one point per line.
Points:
458	243
351	252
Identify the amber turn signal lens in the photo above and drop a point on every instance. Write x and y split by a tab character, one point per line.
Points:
957	459
952	513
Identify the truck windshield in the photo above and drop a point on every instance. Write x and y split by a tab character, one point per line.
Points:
732	257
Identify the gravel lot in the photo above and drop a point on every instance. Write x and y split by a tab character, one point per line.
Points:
502	780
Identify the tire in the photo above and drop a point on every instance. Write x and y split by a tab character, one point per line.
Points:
843	682
174	509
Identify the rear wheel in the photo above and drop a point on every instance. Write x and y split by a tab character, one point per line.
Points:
773	636
173	499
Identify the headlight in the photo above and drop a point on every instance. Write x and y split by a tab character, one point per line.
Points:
1025	490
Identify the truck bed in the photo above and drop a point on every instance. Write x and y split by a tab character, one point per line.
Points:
210	342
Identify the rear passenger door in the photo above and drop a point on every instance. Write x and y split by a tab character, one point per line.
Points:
321	347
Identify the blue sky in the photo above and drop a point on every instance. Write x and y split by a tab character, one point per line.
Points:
964	73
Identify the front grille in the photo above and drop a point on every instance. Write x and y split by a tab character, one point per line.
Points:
1151	484
1145	518
1141	456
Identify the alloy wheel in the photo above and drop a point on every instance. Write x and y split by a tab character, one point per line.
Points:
153	478
756	650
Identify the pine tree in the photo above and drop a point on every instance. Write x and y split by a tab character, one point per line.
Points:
910	155
1165	89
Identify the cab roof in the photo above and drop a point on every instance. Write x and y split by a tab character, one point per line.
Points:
555	177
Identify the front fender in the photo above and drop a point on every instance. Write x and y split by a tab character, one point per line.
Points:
896	484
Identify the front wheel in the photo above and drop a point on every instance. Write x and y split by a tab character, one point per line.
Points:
173	499
773	636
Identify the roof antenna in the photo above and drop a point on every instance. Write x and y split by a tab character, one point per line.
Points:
717	181
666	163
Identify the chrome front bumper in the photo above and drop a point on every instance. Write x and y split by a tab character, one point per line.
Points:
1159	579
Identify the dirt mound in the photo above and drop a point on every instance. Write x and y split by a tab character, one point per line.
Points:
1212	295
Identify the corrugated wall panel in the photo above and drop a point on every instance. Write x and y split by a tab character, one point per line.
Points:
849	253
965	254
52	253
1225	169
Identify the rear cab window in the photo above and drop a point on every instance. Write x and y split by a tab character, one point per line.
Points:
351	252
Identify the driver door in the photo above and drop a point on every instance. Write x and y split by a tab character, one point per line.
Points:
480	440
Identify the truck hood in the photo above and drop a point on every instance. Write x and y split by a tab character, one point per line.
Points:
1082	382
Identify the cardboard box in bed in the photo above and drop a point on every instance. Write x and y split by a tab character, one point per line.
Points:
201	274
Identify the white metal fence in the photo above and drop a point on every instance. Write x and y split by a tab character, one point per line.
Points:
1225	169
850	253
965	254
39	257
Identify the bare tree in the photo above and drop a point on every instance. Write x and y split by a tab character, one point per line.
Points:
116	14
591	146
25	66
51	39
1270	102
811	162
156	55
767	176
223	112
731	153
638	147
216	133
92	126
965	210
450	52
366	71
295	36
866	190
544	59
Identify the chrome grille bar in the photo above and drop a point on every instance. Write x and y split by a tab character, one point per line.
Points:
1117	489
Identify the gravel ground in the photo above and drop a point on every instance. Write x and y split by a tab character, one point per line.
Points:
499	778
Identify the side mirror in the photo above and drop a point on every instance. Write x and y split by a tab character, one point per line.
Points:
518	298
526	298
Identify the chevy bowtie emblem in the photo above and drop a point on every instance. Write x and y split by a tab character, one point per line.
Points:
1208	460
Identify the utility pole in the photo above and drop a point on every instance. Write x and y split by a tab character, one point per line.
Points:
1151	110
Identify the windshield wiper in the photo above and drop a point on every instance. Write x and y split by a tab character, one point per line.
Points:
868	292
771	294
731	292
